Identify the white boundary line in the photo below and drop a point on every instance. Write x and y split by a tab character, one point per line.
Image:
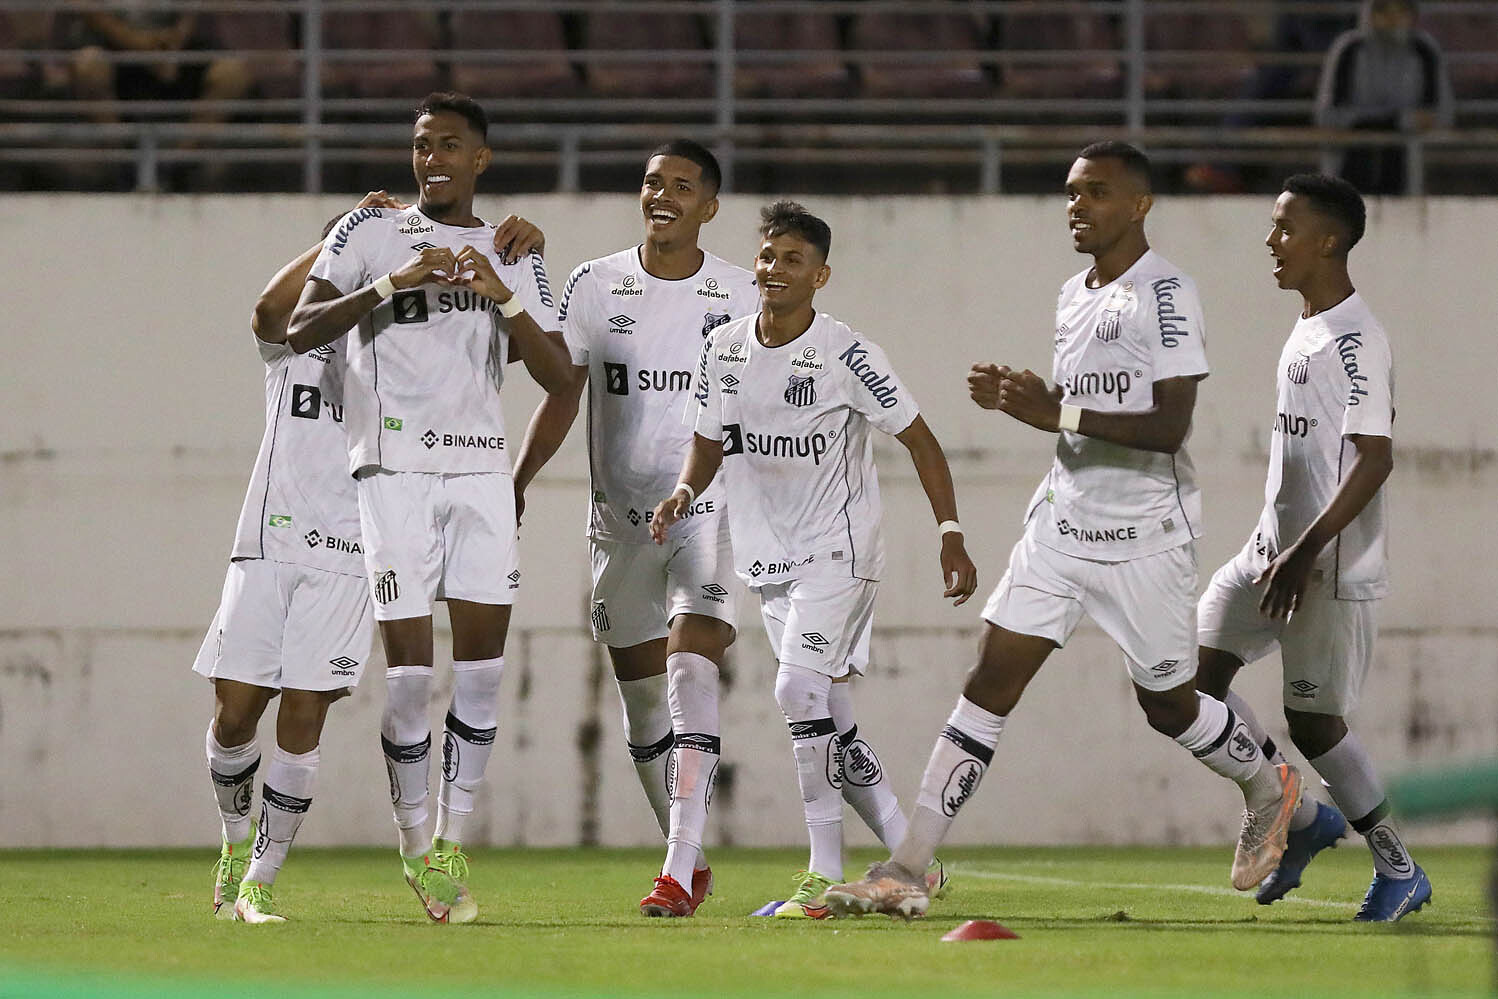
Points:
1035	879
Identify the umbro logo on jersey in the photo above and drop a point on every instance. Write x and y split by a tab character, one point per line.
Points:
1299	369
323	354
600	617
801	391
514	578
423	246
409	306
714	592
385	587
711	321
621	323
730	384
1304	688
429	439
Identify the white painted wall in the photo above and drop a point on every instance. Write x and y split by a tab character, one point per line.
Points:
131	402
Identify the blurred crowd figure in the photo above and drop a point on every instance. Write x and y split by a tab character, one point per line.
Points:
1384	75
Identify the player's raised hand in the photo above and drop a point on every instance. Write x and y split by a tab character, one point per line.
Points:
381	199
983	384
437	264
667	512
475	271
1025	396
515	237
957	570
1287	576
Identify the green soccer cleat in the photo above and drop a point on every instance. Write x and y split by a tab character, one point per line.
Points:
254	904
228	872
443	897
807	902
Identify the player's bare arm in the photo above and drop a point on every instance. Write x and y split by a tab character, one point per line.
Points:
515	237
1289	573
543	352
549	425
697	472
324	313
279	299
959	574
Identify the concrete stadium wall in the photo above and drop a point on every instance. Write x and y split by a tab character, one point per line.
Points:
131	395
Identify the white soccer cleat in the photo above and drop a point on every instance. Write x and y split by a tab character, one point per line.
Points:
1261	842
255	905
888	888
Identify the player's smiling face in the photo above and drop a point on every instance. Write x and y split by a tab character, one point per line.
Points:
447	155
675	200
788	271
1298	240
1103	202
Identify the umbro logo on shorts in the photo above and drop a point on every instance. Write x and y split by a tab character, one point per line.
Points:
1165	668
600	618
385	587
343	666
816	638
1304	688
514	578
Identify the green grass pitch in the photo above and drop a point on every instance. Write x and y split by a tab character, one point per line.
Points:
556	923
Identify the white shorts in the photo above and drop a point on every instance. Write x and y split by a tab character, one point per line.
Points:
432	536
820	624
1326	645
639	589
281	625
1147	605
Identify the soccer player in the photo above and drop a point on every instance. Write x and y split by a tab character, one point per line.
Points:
786	402
1110	532
634	323
427	445
295	618
1319	552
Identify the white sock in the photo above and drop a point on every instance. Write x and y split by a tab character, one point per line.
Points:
958	761
865	784
406	735
233	773
1347	771
468	741
1305	812
803	698
647	730
284	800
1225	746
692	695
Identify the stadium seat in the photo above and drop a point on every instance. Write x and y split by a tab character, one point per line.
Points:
21	77
619	29
1051	32
396	77
1223	40
550	74
954	33
1474	31
265	31
793	32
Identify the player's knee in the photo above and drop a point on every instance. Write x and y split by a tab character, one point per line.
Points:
1314	734
801	693
235	721
700	635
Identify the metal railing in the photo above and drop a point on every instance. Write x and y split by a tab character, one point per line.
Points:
568	134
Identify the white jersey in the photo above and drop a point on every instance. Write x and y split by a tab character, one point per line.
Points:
1104	501
640	337
1336	377
302	506
798	453
425	366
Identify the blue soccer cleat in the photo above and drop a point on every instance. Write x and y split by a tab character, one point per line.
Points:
1391	899
1300	846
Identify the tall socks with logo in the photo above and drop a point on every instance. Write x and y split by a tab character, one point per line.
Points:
961	756
1305	812
1224	744
467	741
692	694
1347	771
406	735
803	697
233	773
285	798
865	785
647	729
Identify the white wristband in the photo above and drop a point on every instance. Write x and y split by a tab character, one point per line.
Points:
691	493
511	307
949	527
1071	418
384	285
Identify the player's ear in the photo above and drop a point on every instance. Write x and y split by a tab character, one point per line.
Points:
823	274
1331	244
710	210
1142	206
482	159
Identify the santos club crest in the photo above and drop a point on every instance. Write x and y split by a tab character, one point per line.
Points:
711	321
801	391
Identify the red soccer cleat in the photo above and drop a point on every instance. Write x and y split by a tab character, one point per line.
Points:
702	886
668	899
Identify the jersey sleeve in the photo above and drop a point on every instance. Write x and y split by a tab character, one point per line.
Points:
1175	327
344	260
573	315
1370	396
873	388
535	293
705	407
273	353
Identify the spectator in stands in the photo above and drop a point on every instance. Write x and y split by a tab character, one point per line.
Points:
130	28
1383	76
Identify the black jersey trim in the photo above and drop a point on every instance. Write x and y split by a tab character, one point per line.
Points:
270	456
848	498
1180	504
